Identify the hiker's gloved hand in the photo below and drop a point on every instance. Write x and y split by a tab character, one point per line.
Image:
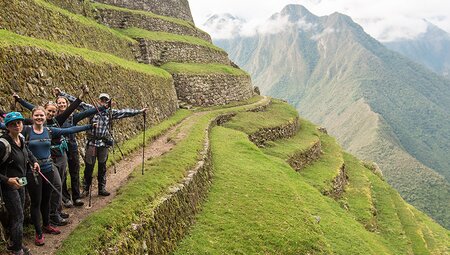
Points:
84	91
36	167
57	91
14	182
94	125
16	96
144	110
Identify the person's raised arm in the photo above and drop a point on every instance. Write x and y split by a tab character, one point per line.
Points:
22	102
82	106
62	117
84	114
71	130
125	113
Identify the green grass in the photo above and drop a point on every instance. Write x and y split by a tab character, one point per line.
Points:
167	37
175	68
83	20
105	226
358	193
259	205
9	39
278	113
306	137
146	13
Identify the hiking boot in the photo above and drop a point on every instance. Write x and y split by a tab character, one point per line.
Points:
68	203
39	240
78	202
51	230
57	220
103	192
85	193
64	215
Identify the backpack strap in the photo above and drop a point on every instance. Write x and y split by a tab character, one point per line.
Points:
8	149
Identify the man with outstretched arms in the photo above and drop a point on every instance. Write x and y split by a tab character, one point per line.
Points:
99	139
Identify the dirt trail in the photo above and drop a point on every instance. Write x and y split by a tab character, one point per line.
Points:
114	181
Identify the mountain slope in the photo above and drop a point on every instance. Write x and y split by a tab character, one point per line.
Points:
431	49
378	104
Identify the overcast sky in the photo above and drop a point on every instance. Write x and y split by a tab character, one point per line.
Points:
385	20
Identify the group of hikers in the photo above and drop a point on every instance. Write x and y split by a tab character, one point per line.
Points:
35	154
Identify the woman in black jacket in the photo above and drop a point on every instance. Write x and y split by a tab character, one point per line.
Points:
15	162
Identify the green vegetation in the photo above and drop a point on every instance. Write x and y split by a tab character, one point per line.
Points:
278	113
82	19
230	105
146	13
104	227
303	140
259	205
202	69
9	39
167	37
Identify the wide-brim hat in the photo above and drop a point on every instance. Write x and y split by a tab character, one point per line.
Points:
13	116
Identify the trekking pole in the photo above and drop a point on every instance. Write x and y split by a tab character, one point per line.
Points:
112	136
90	196
143	143
51	185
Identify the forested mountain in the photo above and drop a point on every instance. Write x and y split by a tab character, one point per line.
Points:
380	105
431	49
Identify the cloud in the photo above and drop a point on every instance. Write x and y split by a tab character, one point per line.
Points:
383	19
325	32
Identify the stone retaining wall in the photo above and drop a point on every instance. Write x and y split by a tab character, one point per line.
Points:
173	213
212	89
161	52
303	158
34	72
261	137
339	184
123	19
28	18
173	8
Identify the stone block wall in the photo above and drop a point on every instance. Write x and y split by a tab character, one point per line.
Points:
212	89
287	130
339	184
123	19
173	8
161	52
303	158
34	72
28	18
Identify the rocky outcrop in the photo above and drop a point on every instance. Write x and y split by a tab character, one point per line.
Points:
302	159
173	8
127	19
33	72
212	88
161	52
262	136
339	184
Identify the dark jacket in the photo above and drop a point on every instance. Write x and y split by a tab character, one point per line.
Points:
18	162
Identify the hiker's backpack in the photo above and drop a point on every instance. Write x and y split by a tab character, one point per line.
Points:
7	152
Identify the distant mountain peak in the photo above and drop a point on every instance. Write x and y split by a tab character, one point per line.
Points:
297	12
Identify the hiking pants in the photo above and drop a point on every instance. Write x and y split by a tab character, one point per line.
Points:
92	154
40	199
56	199
73	161
14	203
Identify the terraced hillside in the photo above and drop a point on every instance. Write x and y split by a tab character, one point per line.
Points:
237	174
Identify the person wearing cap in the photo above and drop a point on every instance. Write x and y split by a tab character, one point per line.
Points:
13	171
99	140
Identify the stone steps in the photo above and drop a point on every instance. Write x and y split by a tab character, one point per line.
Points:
115	17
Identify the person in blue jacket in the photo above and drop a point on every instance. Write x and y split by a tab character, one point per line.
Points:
58	150
16	159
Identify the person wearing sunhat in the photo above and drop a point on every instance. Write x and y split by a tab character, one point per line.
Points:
16	160
99	140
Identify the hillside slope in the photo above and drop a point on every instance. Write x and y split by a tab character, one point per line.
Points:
379	105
